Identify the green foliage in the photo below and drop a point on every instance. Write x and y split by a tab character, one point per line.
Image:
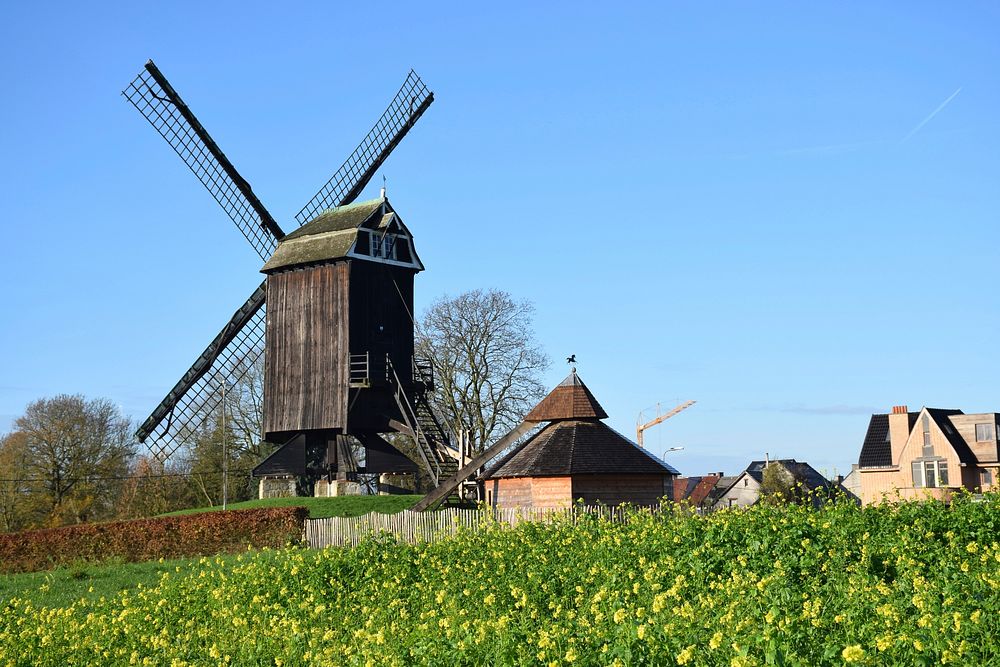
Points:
149	539
324	507
778	485
905	584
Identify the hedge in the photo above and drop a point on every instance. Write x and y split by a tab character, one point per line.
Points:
149	539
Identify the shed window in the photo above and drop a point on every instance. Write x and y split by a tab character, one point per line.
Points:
984	433
376	245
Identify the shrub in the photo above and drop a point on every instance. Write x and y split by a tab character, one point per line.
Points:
148	539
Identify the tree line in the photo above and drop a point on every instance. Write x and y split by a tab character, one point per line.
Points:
70	459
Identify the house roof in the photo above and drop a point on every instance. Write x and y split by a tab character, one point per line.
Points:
694	489
956	441
578	447
876	452
330	235
569	400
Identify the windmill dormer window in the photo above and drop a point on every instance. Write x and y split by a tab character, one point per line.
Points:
383	246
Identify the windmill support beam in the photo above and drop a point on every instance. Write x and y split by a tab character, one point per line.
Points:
446	488
204	362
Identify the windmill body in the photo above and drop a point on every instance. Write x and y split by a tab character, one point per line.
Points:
337	330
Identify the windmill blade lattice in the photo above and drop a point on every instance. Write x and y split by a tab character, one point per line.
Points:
178	420
347	182
159	103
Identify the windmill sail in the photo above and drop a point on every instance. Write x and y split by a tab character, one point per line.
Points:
347	182
180	416
159	103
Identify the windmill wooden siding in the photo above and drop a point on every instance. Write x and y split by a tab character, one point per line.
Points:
306	370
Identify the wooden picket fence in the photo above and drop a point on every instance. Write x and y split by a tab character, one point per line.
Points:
412	527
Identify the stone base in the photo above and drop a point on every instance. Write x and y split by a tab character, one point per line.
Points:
325	489
276	487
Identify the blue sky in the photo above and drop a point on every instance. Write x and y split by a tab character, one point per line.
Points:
762	207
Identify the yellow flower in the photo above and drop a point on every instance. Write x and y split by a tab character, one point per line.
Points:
715	641
684	657
570	655
852	653
641	631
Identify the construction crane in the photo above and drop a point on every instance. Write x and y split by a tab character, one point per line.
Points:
640	427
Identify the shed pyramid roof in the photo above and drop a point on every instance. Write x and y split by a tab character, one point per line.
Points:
569	400
578	447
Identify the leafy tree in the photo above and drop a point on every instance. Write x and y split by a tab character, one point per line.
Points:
486	362
779	485
155	487
15	492
79	449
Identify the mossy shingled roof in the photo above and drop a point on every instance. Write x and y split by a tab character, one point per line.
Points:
329	235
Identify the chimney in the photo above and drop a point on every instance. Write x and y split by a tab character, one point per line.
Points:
899	431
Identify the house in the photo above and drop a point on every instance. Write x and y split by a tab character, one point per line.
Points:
698	491
928	454
576	457
745	490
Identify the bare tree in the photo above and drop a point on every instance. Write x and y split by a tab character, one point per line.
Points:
486	362
80	449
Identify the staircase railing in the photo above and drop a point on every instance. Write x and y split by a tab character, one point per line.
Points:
427	453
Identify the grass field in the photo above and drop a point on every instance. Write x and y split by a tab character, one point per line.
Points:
64	586
322	507
906	584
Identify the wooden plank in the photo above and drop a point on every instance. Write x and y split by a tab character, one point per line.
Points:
306	371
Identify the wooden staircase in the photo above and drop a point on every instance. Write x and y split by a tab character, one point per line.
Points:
432	444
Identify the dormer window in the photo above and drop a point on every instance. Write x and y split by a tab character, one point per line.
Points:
376	245
985	433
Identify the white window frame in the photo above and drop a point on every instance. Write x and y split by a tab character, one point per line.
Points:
919	469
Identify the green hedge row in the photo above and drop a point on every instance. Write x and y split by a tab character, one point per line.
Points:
149	539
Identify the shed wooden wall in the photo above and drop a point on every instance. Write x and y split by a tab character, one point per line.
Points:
591	489
306	372
618	489
529	492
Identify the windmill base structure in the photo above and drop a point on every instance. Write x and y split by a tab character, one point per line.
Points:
333	319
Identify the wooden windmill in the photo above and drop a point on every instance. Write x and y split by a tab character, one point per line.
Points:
337	337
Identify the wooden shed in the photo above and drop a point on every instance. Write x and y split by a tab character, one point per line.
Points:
576	456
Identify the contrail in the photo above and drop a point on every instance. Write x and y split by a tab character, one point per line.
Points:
932	114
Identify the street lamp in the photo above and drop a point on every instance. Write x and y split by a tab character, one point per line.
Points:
673	449
225	457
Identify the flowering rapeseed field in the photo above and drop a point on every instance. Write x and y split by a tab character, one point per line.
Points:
904	584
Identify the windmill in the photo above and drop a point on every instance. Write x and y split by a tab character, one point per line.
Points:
338	348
